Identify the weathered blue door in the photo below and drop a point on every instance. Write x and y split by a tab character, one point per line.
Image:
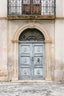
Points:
31	60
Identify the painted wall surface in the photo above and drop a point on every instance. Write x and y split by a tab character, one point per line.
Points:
59	49
3	8
59	8
3	50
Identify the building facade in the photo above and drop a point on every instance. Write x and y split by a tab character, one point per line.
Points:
31	40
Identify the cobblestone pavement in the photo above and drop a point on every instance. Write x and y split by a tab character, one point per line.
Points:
32	89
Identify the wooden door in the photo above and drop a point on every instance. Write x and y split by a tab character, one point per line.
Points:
25	52
39	61
31	60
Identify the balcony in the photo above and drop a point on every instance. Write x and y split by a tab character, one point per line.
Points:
31	9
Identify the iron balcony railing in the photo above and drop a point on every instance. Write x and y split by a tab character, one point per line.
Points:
31	7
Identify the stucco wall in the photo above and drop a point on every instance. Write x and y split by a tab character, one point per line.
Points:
59	49
3	8
59	8
3	50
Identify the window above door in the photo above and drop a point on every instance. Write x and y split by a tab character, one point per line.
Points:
32	8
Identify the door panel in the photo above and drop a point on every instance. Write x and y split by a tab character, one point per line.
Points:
25	73
38	48
38	72
25	48
31	60
24	61
39	61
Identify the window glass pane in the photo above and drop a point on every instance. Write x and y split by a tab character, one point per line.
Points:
15	7
26	1
36	1
26	7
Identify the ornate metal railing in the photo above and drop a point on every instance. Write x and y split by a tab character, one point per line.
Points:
31	7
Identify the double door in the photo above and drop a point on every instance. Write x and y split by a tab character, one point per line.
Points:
31	60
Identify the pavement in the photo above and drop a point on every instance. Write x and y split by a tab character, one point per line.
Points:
31	88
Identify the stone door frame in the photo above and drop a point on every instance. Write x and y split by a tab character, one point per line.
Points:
48	42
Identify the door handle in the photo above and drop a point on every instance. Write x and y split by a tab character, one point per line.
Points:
32	58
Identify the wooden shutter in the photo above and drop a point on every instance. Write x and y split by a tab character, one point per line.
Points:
26	7
36	7
31	7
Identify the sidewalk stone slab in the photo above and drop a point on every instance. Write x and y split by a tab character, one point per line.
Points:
32	89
